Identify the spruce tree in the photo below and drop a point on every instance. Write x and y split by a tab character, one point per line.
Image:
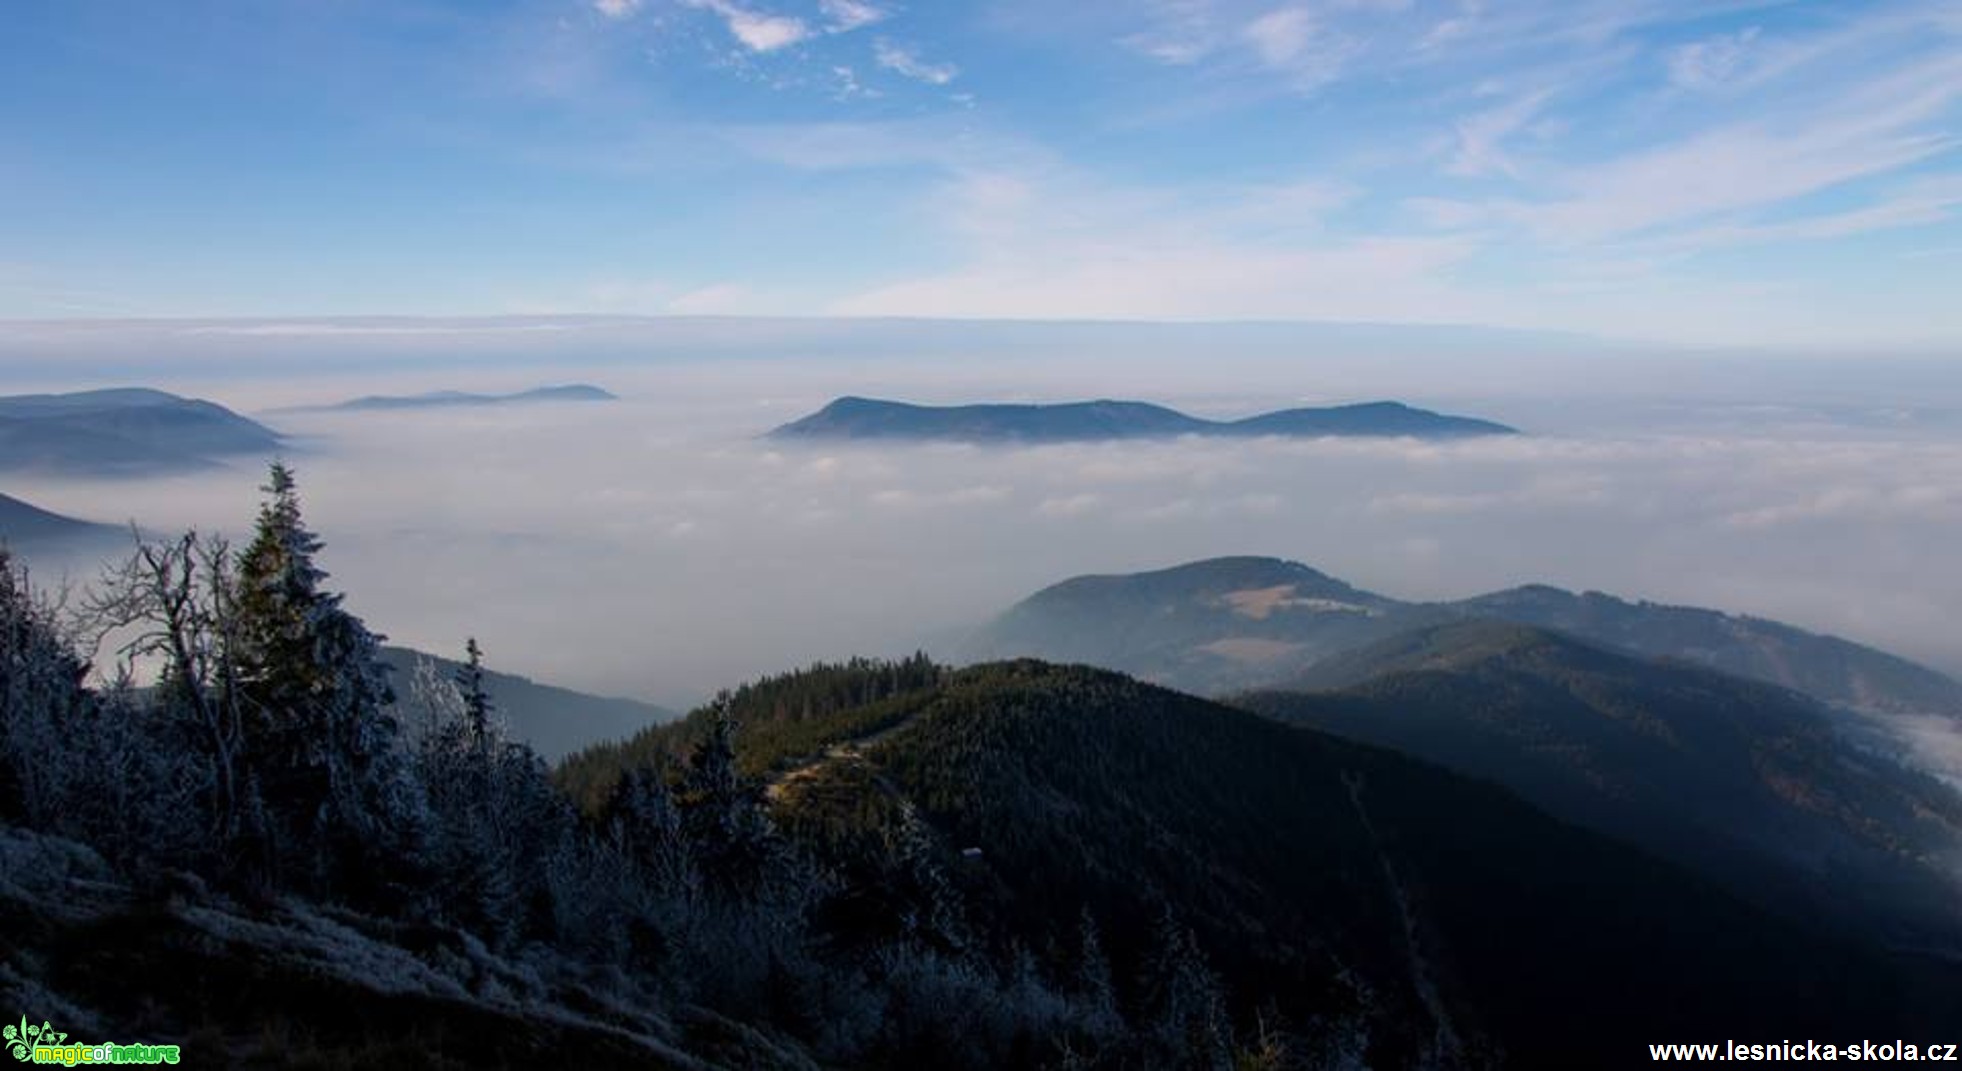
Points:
320	738
1092	987
497	822
643	820
1186	1025
476	702
737	846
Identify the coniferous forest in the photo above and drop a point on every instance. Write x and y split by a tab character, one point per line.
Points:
225	824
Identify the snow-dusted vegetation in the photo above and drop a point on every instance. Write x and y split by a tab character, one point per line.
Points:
254	825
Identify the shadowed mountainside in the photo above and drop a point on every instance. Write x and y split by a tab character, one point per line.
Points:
123	432
1327	882
1753	784
26	527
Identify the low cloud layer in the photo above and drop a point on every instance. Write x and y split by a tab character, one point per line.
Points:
657	547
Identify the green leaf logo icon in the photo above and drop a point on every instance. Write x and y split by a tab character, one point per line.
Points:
17	1040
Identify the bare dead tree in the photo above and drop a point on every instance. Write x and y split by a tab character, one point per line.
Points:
173	602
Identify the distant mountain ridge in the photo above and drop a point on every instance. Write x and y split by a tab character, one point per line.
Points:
554	721
1833	669
446	399
871	418
123	432
1230	624
23	525
1751	783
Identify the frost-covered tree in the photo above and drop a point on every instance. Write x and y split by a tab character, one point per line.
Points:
101	766
749	929
470	688
641	816
932	911
316	695
174	604
738	849
1092	989
641	826
496	821
41	701
1185	1025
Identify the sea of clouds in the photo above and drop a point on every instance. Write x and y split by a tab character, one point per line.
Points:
660	547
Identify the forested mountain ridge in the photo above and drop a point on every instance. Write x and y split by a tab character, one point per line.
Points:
129	431
876	419
1044	791
786	718
1828	667
1753	784
1229	624
1208	627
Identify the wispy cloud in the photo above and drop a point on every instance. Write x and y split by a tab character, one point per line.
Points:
758	31
1488	160
843	16
1853	129
1290	42
1281	36
1701	64
1921	202
847	86
1178	32
1481	138
903	60
1056	243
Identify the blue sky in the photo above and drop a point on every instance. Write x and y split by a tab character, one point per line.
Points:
1699	171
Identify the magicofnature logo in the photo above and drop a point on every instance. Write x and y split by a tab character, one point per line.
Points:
44	1044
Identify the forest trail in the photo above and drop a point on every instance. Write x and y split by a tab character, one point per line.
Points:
783	785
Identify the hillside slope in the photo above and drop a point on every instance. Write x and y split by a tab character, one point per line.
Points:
1753	784
1326	882
123	432
292	984
553	721
26	526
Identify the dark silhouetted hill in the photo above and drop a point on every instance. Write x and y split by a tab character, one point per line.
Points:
1326	881
869	418
24	526
123	432
1754	784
